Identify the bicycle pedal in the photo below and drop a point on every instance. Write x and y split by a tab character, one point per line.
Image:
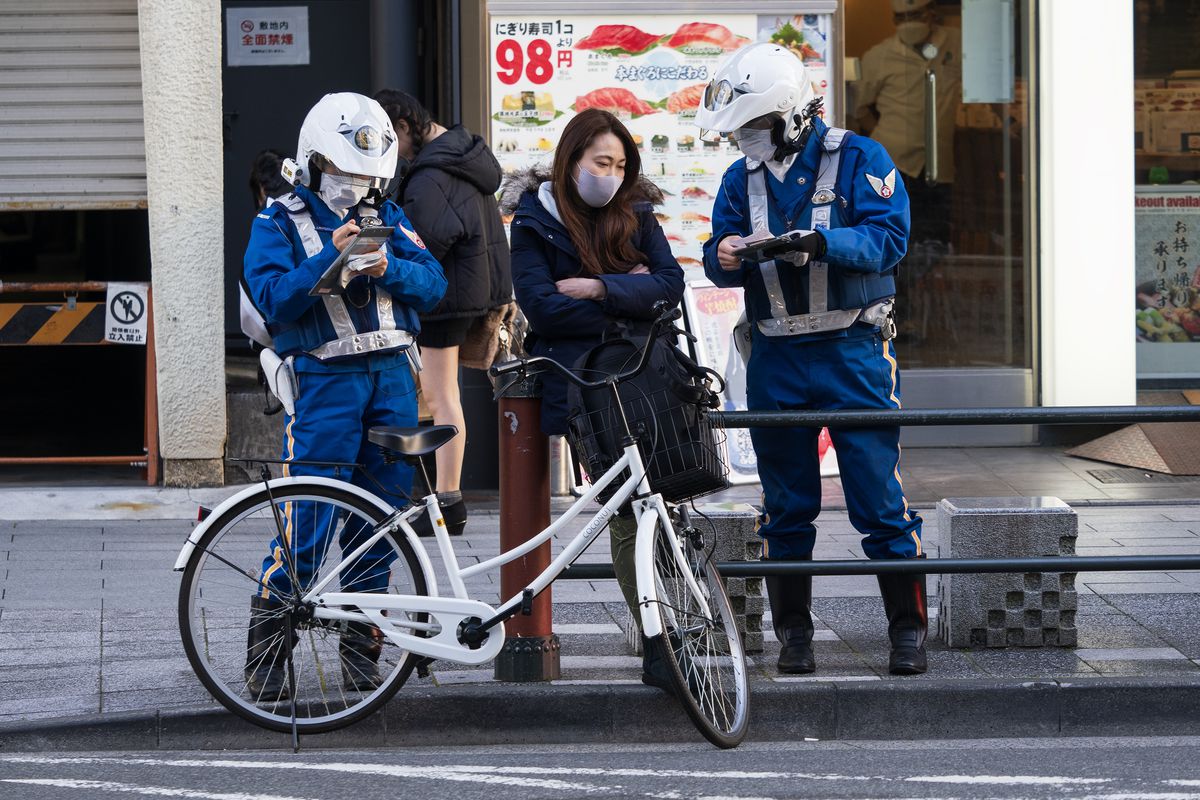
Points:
527	602
423	666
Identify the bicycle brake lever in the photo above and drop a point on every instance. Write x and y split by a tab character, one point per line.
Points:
691	337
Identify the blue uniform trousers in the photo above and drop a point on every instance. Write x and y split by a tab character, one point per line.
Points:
334	411
858	371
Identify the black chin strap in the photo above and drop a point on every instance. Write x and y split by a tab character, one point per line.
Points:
797	143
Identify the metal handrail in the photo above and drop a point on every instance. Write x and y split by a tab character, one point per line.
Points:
1043	415
1055	415
926	566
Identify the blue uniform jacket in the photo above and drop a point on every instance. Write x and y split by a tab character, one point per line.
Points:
867	237
279	274
562	327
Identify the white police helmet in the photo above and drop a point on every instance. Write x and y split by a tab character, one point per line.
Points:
353	133
755	81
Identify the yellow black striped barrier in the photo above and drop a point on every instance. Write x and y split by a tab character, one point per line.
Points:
52	323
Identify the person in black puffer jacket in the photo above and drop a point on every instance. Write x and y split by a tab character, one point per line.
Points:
448	193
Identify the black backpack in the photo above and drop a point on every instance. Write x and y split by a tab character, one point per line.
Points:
666	408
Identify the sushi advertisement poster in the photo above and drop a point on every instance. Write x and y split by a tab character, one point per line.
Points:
1167	254
712	311
650	70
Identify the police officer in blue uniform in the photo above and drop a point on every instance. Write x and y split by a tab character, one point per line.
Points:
351	355
820	325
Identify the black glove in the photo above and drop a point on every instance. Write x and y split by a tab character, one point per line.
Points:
811	242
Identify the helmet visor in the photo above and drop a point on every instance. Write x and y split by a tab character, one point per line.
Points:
718	94
354	179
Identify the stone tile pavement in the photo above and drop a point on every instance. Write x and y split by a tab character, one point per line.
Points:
88	599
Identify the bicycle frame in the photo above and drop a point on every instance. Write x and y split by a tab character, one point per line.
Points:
440	638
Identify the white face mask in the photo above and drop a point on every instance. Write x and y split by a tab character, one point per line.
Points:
755	145
597	190
912	33
340	192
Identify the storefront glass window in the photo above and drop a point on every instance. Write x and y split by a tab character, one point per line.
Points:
943	87
1167	206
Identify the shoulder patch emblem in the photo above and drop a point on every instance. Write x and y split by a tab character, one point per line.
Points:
884	187
412	235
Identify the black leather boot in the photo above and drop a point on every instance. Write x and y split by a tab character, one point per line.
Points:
791	597
453	514
905	605
655	671
266	652
359	649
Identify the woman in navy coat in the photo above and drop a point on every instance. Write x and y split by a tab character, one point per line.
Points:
587	252
587	249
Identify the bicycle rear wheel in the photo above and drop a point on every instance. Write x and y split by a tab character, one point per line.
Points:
339	672
700	639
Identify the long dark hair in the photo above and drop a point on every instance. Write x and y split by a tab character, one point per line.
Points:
399	106
603	237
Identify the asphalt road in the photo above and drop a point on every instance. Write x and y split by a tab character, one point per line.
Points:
1028	769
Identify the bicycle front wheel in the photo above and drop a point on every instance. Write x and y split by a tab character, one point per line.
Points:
700	639
255	647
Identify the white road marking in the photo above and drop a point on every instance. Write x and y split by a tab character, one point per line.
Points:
1007	780
156	791
390	770
631	772
525	777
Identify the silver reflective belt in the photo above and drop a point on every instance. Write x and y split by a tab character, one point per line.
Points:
335	305
361	343
820	318
878	314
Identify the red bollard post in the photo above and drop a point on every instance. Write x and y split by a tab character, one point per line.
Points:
531	650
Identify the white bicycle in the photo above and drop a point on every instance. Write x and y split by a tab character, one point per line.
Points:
404	620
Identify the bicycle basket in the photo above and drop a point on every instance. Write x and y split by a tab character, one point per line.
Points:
682	450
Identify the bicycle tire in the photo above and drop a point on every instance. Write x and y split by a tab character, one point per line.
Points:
705	653
222	575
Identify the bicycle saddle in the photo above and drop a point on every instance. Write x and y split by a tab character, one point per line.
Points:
412	441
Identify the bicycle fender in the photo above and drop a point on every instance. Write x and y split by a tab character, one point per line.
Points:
384	508
644	561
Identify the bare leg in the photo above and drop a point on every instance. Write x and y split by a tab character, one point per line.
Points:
439	384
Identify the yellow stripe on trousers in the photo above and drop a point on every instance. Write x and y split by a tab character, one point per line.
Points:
891	359
287	513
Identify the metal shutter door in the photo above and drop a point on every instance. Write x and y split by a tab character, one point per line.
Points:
70	105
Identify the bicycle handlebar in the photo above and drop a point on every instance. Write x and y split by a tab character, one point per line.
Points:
666	315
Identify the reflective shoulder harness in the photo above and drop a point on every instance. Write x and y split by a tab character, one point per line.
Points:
349	342
820	318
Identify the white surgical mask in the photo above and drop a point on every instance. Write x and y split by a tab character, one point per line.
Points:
341	193
912	33
597	190
755	145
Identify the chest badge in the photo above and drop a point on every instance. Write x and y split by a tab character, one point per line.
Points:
823	197
884	187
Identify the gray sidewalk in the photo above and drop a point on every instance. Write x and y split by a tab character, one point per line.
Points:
90	653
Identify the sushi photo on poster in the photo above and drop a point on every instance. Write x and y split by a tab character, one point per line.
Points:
650	70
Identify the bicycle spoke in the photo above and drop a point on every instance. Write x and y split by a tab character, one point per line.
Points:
703	643
223	612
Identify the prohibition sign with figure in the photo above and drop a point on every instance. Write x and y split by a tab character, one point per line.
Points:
127	307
